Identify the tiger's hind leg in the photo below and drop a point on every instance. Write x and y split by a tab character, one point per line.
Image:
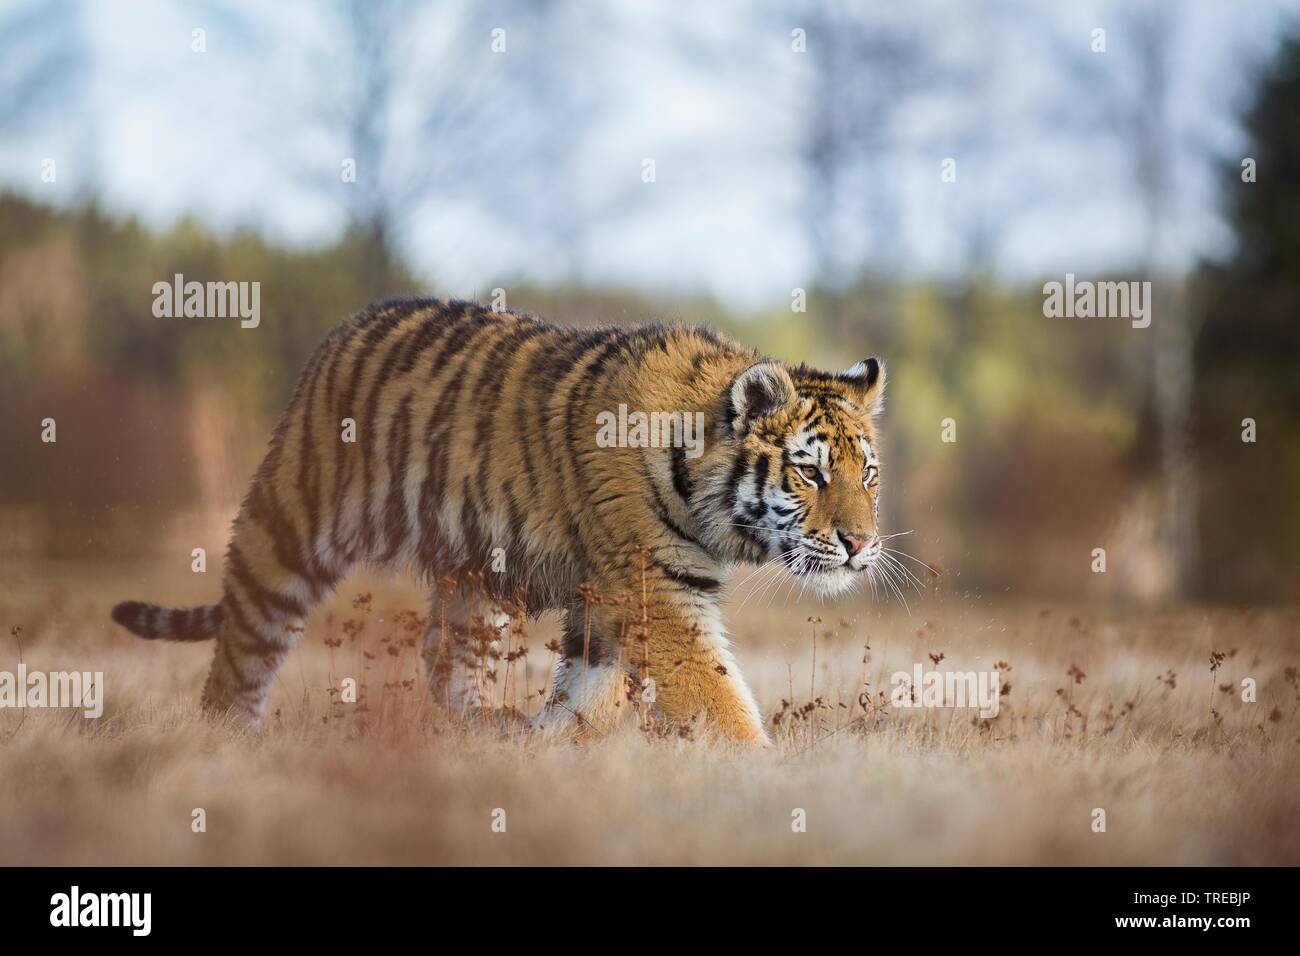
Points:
590	686
269	587
461	647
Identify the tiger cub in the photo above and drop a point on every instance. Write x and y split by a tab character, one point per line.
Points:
494	442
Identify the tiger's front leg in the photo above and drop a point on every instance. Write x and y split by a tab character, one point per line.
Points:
670	654
687	655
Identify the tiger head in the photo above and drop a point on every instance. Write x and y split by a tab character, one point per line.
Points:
804	484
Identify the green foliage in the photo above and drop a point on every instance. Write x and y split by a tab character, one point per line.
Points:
1247	358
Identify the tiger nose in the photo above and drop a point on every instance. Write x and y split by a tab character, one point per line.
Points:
853	543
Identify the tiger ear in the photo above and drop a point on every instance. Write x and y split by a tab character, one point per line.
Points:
758	391
866	383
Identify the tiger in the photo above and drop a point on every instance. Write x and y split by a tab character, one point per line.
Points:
474	451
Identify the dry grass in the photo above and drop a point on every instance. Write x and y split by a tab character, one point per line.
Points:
1106	709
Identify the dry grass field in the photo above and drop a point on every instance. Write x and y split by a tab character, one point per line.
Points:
1106	709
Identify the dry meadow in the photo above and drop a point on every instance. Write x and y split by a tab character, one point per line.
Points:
1128	711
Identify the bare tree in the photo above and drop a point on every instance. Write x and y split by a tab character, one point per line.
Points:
865	67
869	72
430	109
450	142
564	73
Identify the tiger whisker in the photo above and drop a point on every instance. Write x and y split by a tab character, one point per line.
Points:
904	554
758	570
789	561
887	573
911	578
766	574
757	527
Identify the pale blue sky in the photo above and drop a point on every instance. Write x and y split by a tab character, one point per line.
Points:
166	132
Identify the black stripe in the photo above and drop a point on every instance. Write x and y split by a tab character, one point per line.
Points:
437	443
518	540
263	509
461	335
243	627
243	684
489	387
383	375
308	457
584	384
264	599
693	581
343	476
484	391
337	447
662	513
759	507
376	327
476	545
681	477
437	324
347	452
541	376
738	469
575	639
398	457
181	620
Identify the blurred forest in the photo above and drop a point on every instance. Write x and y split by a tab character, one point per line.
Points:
1071	435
